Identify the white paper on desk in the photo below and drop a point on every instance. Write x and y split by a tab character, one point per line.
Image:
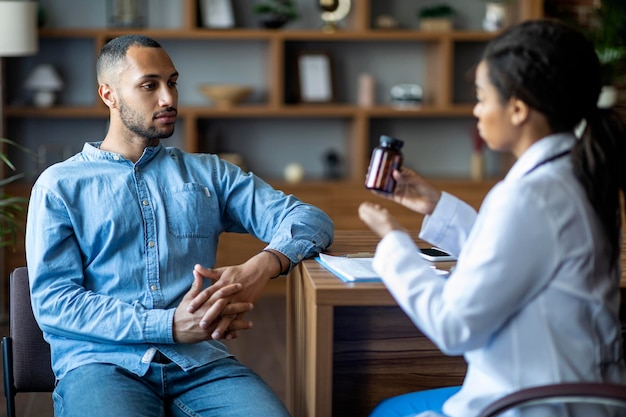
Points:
355	269
349	269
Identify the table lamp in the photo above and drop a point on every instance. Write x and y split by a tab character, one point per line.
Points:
18	36
44	81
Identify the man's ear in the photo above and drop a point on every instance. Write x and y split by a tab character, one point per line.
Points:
107	95
520	111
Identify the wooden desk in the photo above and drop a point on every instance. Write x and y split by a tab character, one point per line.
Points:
349	345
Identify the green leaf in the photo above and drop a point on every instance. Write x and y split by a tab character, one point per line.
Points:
442	10
12	209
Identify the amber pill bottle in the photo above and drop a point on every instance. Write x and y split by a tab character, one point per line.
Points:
386	158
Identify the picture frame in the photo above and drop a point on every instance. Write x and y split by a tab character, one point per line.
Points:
217	14
315	77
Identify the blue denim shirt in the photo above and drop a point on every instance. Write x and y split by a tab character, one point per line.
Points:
111	245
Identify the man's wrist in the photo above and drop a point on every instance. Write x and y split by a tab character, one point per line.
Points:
281	269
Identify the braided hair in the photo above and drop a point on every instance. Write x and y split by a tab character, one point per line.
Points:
554	69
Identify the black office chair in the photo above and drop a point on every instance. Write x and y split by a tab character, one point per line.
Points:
600	393
25	354
606	394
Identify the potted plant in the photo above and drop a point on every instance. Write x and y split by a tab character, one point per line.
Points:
436	18
607	30
12	209
276	13
607	33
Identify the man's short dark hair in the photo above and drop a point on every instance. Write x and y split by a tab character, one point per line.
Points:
114	52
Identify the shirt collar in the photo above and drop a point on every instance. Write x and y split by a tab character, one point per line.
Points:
92	151
539	151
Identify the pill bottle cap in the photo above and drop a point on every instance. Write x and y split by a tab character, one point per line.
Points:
391	142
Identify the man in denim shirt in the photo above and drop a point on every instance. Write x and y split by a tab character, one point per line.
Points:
115	240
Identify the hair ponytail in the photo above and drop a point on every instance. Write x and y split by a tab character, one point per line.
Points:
599	158
561	79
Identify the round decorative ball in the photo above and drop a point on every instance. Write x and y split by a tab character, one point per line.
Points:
293	173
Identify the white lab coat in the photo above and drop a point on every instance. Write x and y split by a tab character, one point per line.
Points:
532	299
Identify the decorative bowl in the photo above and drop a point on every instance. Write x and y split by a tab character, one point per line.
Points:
225	95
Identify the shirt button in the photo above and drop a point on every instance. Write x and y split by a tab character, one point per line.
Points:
153	287
299	257
116	157
151	244
145	202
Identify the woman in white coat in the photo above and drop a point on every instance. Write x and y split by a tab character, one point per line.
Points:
534	297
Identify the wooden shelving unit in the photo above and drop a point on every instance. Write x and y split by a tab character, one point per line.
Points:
439	80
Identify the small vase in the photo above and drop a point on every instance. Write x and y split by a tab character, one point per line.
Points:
497	16
477	166
608	97
441	24
127	13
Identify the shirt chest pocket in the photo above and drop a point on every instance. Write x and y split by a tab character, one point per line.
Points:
189	210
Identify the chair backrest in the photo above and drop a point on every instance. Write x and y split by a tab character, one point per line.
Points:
579	393
30	353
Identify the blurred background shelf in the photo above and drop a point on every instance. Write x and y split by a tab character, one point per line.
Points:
272	128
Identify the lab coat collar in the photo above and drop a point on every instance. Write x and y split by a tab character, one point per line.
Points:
540	151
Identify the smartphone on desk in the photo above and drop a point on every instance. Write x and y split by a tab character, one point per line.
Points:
436	255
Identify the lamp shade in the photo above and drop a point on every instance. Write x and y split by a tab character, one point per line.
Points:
18	28
44	77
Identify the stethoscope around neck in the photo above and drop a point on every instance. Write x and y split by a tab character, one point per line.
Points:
548	160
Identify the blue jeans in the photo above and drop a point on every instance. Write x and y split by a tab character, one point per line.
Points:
222	388
411	404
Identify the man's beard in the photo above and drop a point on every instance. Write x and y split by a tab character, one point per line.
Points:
133	122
